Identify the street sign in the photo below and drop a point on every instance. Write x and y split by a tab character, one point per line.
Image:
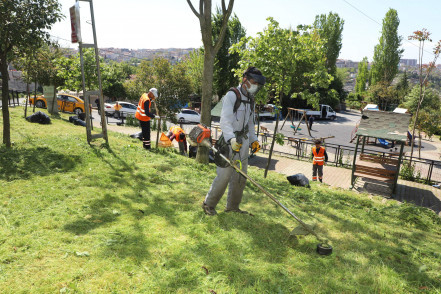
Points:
75	23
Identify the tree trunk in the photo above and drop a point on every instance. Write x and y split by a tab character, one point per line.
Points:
419	144
415	122
5	106
272	143
27	99
207	94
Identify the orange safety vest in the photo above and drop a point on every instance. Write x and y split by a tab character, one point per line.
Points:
140	111
177	131
117	107
319	158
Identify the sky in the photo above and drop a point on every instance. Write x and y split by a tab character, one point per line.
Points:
153	24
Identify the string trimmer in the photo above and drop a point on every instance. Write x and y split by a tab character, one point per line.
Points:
201	135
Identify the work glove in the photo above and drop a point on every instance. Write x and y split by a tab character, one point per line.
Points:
255	146
234	145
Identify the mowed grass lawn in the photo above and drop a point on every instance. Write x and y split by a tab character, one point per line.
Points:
79	218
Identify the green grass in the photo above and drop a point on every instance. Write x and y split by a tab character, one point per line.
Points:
79	218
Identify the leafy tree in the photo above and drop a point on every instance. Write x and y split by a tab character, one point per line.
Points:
422	36
194	63
113	76
292	61
172	82
387	54
403	86
385	95
362	77
211	47
431	100
23	26
330	28
226	62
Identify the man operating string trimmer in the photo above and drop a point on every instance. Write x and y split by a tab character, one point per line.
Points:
237	125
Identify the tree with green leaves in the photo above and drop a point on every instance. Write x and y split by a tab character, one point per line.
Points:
330	28
24	25
424	71
212	45
226	62
194	62
292	60
387	53
362	76
172	82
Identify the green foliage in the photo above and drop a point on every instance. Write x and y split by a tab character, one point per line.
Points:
225	63
194	63
330	28
154	126
164	126
132	121
172	82
280	139
409	172
431	100
362	77
385	95
292	60
387	53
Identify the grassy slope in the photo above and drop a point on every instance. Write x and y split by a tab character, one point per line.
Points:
86	219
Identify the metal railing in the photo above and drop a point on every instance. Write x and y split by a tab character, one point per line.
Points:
423	170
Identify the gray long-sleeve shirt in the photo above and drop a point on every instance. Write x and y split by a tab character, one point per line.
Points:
231	121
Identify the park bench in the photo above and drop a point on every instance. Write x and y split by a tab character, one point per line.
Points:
376	167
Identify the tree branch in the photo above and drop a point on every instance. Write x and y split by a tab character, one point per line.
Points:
226	16
194	10
223	7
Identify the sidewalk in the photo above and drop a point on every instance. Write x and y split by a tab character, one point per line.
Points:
419	194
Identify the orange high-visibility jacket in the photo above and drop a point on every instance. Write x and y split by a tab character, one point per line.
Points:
176	132
140	111
319	158
117	107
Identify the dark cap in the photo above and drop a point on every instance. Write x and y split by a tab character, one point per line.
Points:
317	141
255	74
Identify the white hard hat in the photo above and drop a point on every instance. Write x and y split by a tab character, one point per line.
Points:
154	92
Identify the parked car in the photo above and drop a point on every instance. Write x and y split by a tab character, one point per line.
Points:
128	109
188	116
65	102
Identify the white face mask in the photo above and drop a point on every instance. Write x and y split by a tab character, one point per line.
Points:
252	89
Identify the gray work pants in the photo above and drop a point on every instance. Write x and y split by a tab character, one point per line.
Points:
228	176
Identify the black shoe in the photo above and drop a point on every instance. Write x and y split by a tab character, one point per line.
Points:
208	210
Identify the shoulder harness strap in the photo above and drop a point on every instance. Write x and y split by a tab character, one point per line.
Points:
238	99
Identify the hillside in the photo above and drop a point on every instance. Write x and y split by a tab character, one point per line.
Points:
79	218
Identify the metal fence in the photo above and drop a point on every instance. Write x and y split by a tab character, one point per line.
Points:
423	170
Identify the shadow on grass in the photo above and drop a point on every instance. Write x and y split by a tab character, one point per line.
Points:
391	249
23	163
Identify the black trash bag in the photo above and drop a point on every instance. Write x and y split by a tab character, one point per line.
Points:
137	136
82	116
72	119
298	180
39	117
79	122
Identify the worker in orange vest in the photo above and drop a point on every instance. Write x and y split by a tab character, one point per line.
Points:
117	108
177	133
319	158
144	115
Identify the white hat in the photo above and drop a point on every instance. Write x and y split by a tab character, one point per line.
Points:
154	92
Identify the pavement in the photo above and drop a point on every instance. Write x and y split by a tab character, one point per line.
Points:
407	191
